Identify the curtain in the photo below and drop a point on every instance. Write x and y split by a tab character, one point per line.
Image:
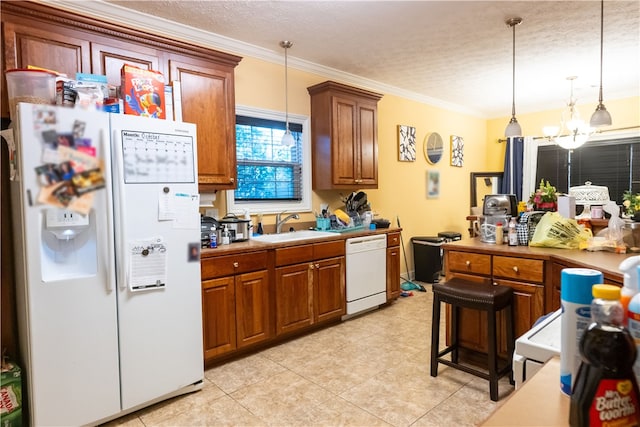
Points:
530	165
512	176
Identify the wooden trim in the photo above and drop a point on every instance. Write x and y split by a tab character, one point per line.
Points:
39	12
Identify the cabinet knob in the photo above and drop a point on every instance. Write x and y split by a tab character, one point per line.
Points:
311	266
394	253
515	268
235	264
317	265
468	263
232	179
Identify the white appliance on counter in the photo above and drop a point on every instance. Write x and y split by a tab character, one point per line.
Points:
366	271
536	347
107	244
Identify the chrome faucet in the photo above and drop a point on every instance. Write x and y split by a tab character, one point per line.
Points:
280	222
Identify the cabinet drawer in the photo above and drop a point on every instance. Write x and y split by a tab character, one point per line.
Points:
393	239
294	255
467	262
328	249
228	265
527	270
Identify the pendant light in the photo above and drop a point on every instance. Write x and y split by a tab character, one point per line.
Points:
601	116
513	128
287	138
574	130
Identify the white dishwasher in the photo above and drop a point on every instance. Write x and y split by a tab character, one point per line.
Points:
366	265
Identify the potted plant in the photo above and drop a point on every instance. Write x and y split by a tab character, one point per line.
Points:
631	203
545	197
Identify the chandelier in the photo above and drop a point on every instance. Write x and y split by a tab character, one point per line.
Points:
573	132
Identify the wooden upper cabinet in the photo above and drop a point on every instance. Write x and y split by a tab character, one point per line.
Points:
208	99
108	59
344	134
36	34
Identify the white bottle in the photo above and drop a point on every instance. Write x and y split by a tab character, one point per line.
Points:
630	282
225	235
513	233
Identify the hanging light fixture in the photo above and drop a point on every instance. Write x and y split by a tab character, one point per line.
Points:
513	128
601	116
287	138
573	130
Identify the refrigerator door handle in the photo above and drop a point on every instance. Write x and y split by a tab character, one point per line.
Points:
118	183
111	261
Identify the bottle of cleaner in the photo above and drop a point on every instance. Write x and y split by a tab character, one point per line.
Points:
630	282
633	322
605	392
575	297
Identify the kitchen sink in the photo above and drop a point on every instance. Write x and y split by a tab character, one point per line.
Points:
292	236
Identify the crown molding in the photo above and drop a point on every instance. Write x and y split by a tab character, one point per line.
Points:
114	13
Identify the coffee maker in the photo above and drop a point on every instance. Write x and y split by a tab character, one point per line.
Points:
497	209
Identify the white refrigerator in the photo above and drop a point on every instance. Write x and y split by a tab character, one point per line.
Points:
105	211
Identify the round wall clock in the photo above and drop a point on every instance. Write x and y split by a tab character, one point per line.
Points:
433	147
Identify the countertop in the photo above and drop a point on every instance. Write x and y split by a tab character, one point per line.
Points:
254	245
607	262
539	402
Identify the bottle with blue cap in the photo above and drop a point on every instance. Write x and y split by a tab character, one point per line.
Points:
575	298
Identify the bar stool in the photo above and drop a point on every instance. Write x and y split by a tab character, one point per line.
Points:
486	297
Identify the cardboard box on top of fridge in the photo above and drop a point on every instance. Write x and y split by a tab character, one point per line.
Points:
11	394
143	92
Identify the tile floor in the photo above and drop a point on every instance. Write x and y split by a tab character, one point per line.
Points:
371	370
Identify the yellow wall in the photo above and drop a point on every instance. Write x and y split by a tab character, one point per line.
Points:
402	185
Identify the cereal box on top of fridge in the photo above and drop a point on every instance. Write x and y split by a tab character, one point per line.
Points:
143	92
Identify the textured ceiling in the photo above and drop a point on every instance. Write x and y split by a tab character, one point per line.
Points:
451	52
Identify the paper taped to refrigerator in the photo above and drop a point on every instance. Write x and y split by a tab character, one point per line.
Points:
147	264
181	208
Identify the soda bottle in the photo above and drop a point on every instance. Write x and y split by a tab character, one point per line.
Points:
605	392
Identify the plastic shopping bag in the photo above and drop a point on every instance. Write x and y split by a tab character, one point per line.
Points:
556	231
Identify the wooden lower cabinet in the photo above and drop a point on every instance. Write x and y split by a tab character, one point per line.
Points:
310	285
524	276
218	316
252	308
393	266
236	308
235	312
328	289
294	303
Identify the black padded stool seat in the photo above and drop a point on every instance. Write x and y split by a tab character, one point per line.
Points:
486	297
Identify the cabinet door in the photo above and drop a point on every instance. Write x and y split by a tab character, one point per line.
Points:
42	46
109	59
528	305
367	154
329	299
218	316
294	297
393	272
344	146
252	308
208	100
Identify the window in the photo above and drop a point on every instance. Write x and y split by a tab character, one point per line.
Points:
613	163
271	177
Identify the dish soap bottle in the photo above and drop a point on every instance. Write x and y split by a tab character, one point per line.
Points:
605	391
